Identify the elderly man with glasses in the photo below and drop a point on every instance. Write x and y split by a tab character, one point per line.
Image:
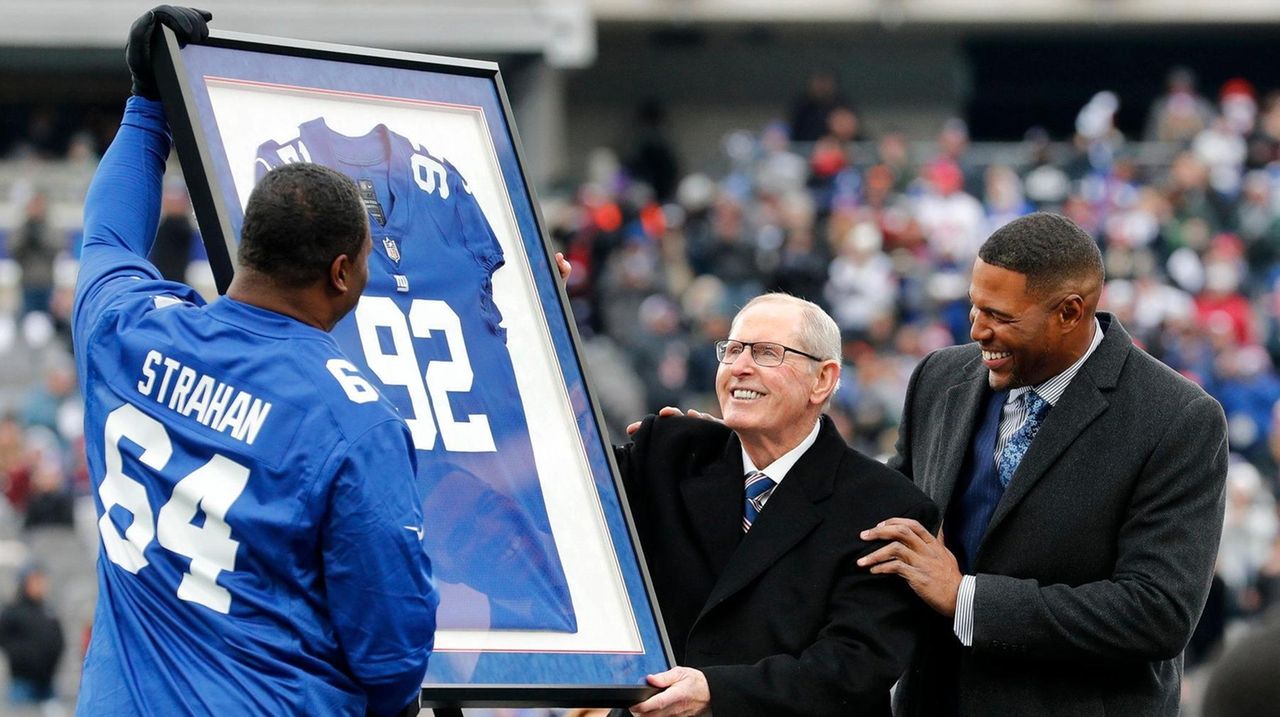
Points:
751	531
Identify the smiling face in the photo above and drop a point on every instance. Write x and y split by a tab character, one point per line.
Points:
773	405
1023	335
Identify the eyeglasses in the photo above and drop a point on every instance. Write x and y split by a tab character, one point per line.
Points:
764	353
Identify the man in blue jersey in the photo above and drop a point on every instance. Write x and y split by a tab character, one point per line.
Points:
261	526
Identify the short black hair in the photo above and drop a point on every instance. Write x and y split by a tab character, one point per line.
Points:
300	217
1049	249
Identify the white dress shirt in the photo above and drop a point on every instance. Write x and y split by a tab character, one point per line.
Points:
778	469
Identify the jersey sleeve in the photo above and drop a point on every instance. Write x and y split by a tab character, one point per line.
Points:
377	574
272	154
122	211
267	159
477	235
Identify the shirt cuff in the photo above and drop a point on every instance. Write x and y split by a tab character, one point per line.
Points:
963	625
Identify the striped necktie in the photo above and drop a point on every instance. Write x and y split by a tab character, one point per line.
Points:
759	487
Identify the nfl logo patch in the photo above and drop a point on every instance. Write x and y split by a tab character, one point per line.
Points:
393	251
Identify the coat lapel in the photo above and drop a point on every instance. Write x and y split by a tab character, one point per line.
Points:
1079	406
959	417
787	518
713	503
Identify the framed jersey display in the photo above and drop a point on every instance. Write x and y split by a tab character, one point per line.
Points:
464	327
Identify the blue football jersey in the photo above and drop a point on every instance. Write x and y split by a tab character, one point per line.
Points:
428	333
259	516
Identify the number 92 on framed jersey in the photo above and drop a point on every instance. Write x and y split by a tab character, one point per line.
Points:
463	325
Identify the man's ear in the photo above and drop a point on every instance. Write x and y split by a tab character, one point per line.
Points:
1071	312
340	274
828	379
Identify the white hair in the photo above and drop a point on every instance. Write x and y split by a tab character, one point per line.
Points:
817	331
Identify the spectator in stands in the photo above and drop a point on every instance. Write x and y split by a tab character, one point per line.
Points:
1180	113
809	113
893	152
49	504
843	125
1134	212
697	196
953	221
861	287
34	249
44	136
779	170
1046	183
1097	137
1003	199
708	311
1222	149
890	210
652	157
1258	225
1268	579
31	639
15	465
732	255
631	273
1246	384
1212	626
662	353
1264	140
953	148
1196	216
1249	530
172	251
829	170
801	268
1154	304
1244	682
1222	299
56	405
878	404
1269	301
1238	104
1081	213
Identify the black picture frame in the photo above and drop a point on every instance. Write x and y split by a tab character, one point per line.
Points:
194	80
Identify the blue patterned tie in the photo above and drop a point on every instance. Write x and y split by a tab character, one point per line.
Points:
759	488
1016	448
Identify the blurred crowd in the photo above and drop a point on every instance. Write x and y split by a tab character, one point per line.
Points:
880	230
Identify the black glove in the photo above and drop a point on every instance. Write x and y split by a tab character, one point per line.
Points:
189	24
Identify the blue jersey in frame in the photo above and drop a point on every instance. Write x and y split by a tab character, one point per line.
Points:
428	330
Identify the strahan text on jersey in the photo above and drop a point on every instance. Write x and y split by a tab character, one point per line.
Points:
428	333
259	517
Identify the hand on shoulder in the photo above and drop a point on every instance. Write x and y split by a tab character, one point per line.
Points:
674	411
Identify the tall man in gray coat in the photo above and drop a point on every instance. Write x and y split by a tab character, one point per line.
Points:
1083	487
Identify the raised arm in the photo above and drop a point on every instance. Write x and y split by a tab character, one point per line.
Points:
122	208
